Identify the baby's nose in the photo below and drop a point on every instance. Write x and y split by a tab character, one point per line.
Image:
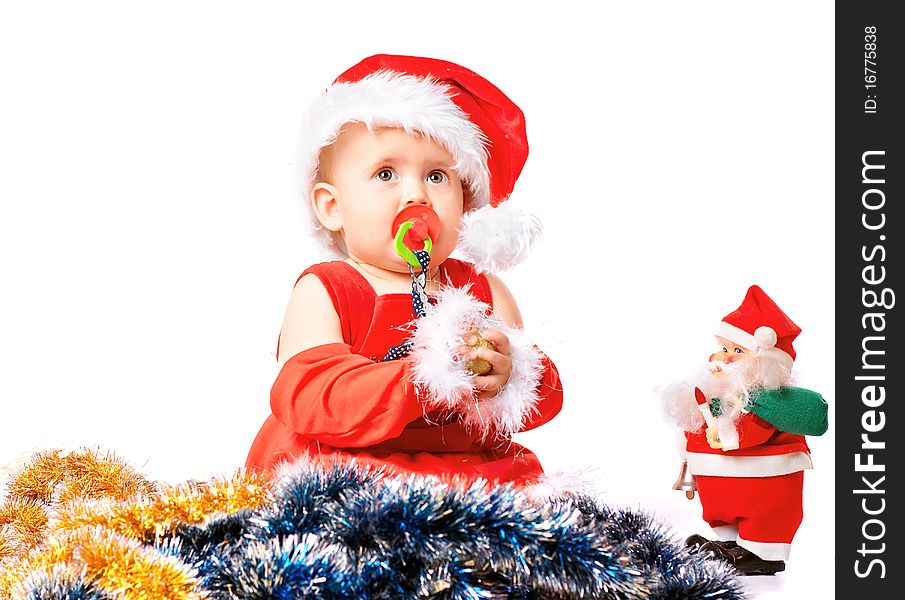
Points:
415	194
417	199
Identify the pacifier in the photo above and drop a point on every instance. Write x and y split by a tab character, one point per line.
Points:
415	228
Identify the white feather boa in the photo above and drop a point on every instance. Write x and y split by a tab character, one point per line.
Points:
443	380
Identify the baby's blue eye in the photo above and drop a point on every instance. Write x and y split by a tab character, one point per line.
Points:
738	351
437	177
724	349
385	175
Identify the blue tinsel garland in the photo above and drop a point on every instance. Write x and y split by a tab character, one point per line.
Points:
60	585
348	532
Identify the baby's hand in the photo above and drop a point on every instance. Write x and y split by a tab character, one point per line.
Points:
713	438
489	384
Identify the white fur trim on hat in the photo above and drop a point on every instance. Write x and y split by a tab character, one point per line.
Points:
734	334
391	99
763	341
497	239
441	375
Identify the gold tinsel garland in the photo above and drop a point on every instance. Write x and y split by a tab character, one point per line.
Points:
113	562
57	476
22	522
87	513
186	503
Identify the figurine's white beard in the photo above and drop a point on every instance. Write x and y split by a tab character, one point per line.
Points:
732	383
728	382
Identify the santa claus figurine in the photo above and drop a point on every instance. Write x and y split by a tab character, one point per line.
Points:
745	429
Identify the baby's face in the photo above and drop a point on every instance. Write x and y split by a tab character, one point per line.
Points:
375	174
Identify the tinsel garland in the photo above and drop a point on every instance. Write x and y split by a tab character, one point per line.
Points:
329	531
57	476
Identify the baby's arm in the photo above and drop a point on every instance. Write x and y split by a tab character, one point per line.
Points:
550	396
326	391
504	305
507	311
310	319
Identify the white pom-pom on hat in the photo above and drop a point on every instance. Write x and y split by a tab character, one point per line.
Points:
765	337
497	239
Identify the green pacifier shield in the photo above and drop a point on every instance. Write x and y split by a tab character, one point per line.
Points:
415	228
404	250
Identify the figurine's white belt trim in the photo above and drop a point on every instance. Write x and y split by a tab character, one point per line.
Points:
748	466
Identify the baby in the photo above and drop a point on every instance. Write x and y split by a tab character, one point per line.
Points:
397	354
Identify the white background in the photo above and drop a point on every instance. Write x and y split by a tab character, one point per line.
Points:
150	234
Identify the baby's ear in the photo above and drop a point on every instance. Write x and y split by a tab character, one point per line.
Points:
326	207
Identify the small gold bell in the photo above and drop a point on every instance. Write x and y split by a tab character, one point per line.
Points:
685	482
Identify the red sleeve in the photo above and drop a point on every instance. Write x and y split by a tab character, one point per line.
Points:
331	394
753	431
549	397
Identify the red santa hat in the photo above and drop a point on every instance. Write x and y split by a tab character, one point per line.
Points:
761	326
478	124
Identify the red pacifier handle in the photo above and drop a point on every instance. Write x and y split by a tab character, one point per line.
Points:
425	222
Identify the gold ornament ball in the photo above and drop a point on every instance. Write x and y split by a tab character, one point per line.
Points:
479	366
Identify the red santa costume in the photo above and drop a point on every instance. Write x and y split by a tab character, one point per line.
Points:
751	487
418	413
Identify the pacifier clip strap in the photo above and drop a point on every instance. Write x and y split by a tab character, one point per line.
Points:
419	282
419	302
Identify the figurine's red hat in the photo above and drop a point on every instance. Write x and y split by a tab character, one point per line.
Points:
760	325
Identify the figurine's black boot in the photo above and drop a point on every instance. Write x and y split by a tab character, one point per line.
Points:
745	561
695	542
